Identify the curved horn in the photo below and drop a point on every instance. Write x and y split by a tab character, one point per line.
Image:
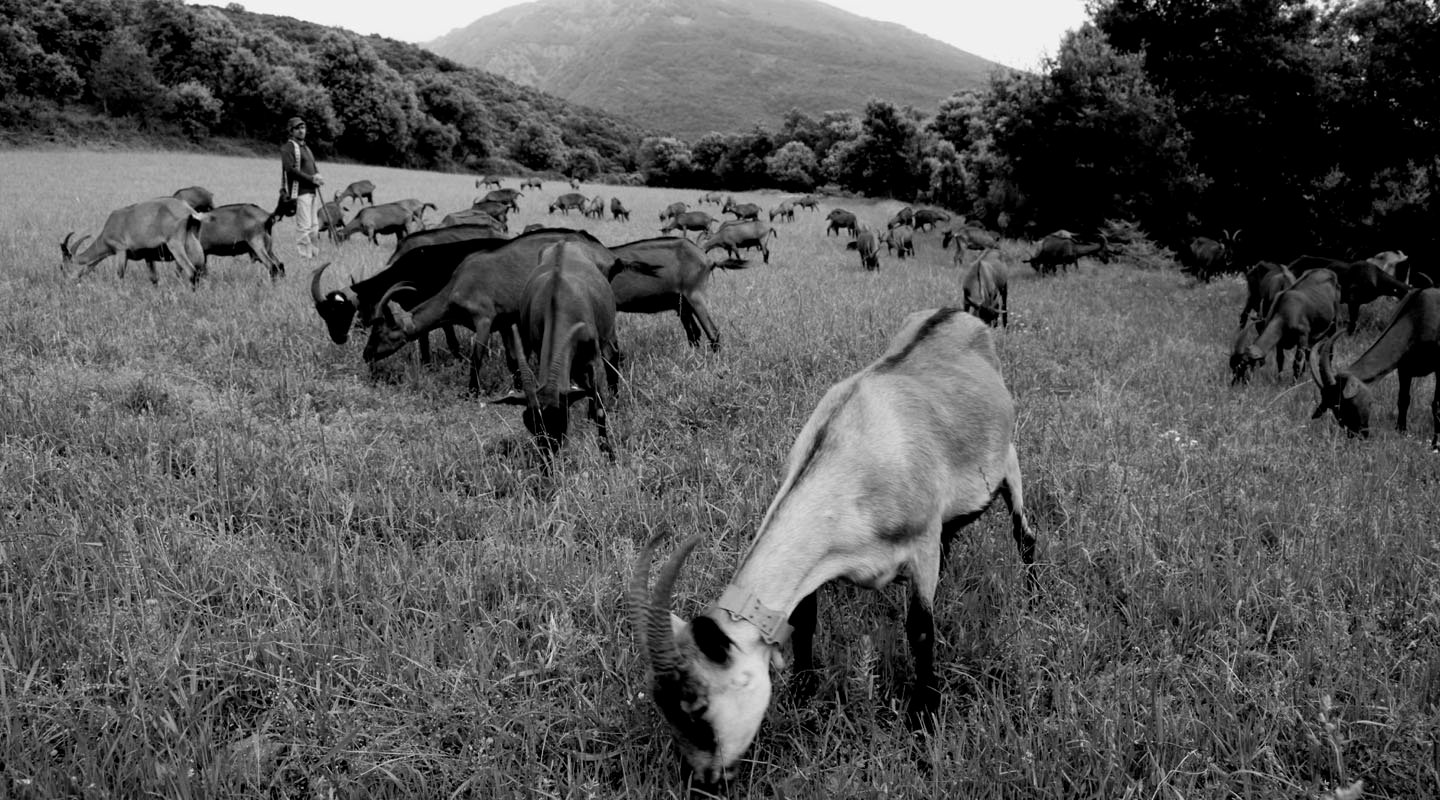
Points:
315	283
402	286
637	595
665	656
1321	368
65	246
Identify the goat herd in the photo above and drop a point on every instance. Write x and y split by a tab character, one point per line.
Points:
895	459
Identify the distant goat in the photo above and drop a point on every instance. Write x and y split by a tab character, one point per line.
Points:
1300	317
670	211
840	220
926	218
868	246
737	235
531	183
905	216
711	197
385	219
147	229
900	238
742	211
506	196
360	190
892	464
482	182
618	210
1410	344
567	201
595	207
809	201
986	290
689	221
785	211
1205	257
1064	252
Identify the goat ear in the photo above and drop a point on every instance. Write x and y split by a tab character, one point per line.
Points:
710	639
1349	387
511	398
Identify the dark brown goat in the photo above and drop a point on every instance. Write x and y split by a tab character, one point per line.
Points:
483	294
840	220
567	323
241	229
1300	317
1410	344
1064	252
689	221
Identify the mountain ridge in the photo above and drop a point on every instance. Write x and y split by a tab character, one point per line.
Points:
690	67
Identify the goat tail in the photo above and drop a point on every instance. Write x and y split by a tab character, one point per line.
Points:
559	364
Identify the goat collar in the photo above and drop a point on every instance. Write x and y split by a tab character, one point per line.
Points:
744	605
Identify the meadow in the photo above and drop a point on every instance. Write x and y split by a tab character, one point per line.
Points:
237	562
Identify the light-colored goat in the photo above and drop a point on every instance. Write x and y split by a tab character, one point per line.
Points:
894	461
1410	344
164	225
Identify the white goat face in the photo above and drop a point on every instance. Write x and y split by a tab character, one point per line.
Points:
716	706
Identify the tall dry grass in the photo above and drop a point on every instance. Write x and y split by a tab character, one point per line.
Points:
236	563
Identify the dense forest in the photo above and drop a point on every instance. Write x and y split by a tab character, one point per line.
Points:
202	71
1311	128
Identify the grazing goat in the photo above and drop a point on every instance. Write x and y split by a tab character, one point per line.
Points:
574	184
926	218
809	201
199	198
1205	257
166	225
594	207
986	290
651	276
531	183
241	229
711	197
482	182
567	201
1264	282
969	237
868	246
505	196
838	220
742	211
673	210
359	190
331	217
1410	344
482	294
385	219
737	235
893	463
785	211
901	239
1300	317
424	262
689	221
1362	282
567	321
905	216
1064	252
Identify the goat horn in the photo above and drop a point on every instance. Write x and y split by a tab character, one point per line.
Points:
637	596
402	286
665	658
315	283
65	245
1321	368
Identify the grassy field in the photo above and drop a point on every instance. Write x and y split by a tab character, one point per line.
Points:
234	562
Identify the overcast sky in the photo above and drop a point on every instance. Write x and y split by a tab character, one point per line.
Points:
1014	32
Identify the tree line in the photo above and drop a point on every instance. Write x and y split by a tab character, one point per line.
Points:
1311	127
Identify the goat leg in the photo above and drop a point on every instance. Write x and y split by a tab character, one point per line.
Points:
804	681
1403	401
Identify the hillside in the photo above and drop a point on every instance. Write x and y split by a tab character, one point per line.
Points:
160	71
690	67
